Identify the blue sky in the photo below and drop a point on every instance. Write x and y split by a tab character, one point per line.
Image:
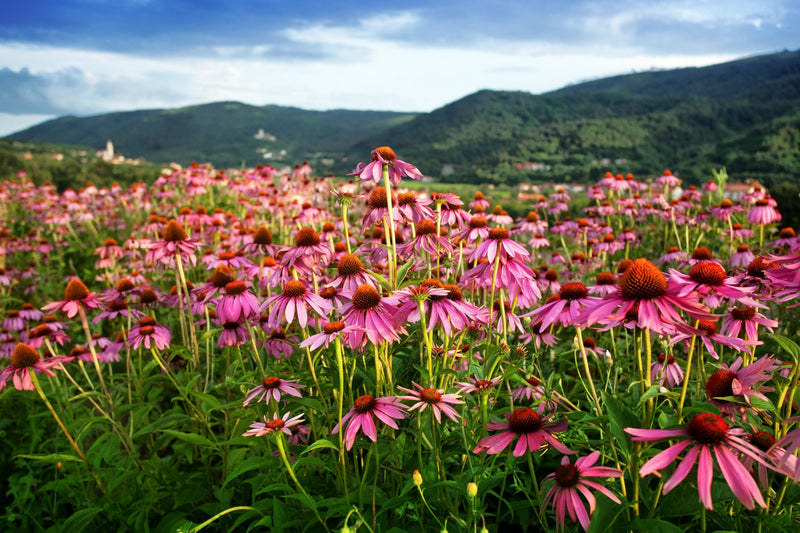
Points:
93	56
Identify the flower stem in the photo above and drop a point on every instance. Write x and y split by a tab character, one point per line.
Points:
588	372
95	361
281	443
390	238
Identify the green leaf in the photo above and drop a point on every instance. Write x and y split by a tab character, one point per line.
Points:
247	465
191	438
652	392
50	458
383	281
80	520
652	525
320	443
620	418
789	345
403	271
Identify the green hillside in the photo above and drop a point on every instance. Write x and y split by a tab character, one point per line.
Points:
223	133
741	114
690	120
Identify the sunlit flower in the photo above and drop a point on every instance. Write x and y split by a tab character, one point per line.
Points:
387	409
531	428
570	483
271	388
436	399
283	424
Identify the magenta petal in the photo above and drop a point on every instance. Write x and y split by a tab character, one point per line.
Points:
705	474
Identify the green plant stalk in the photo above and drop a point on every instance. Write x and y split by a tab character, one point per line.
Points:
337	343
95	360
685	386
586	369
219	515
491	300
390	240
281	443
192	332
428	347
38	387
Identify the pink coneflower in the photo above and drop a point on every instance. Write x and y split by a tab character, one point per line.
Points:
529	426
742	257
293	302
787	239
570	482
351	274
540	336
149	333
117	308
605	284
645	287
309	250
499	244
426	240
174	241
570	300
387	409
706	432
725	210
707	332
452	213
740	382
762	213
413	208
436	399
378	209
710	280
30	313
747	317
329	332
233	333
372	315
237	302
397	168
261	243
24	360
532	390
476	384
13	322
666	370
37	336
674	255
283	424
76	295
229	259
272	387
276	343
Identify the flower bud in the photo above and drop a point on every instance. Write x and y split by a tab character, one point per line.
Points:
417	478
472	490
609	359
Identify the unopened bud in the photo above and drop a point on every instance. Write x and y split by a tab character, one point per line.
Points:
346	529
417	478
472	490
609	359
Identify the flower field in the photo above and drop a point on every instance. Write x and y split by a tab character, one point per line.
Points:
250	350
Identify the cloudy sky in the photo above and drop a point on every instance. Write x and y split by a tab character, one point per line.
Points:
85	57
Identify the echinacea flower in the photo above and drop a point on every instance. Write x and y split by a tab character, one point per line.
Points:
704	434
372	315
741	382
383	155
309	250
174	241
436	399
271	388
237	302
530	427
149	333
643	288
387	409
746	317
76	295
330	331
565	307
476	384
25	360
570	483
294	302
666	370
283	424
